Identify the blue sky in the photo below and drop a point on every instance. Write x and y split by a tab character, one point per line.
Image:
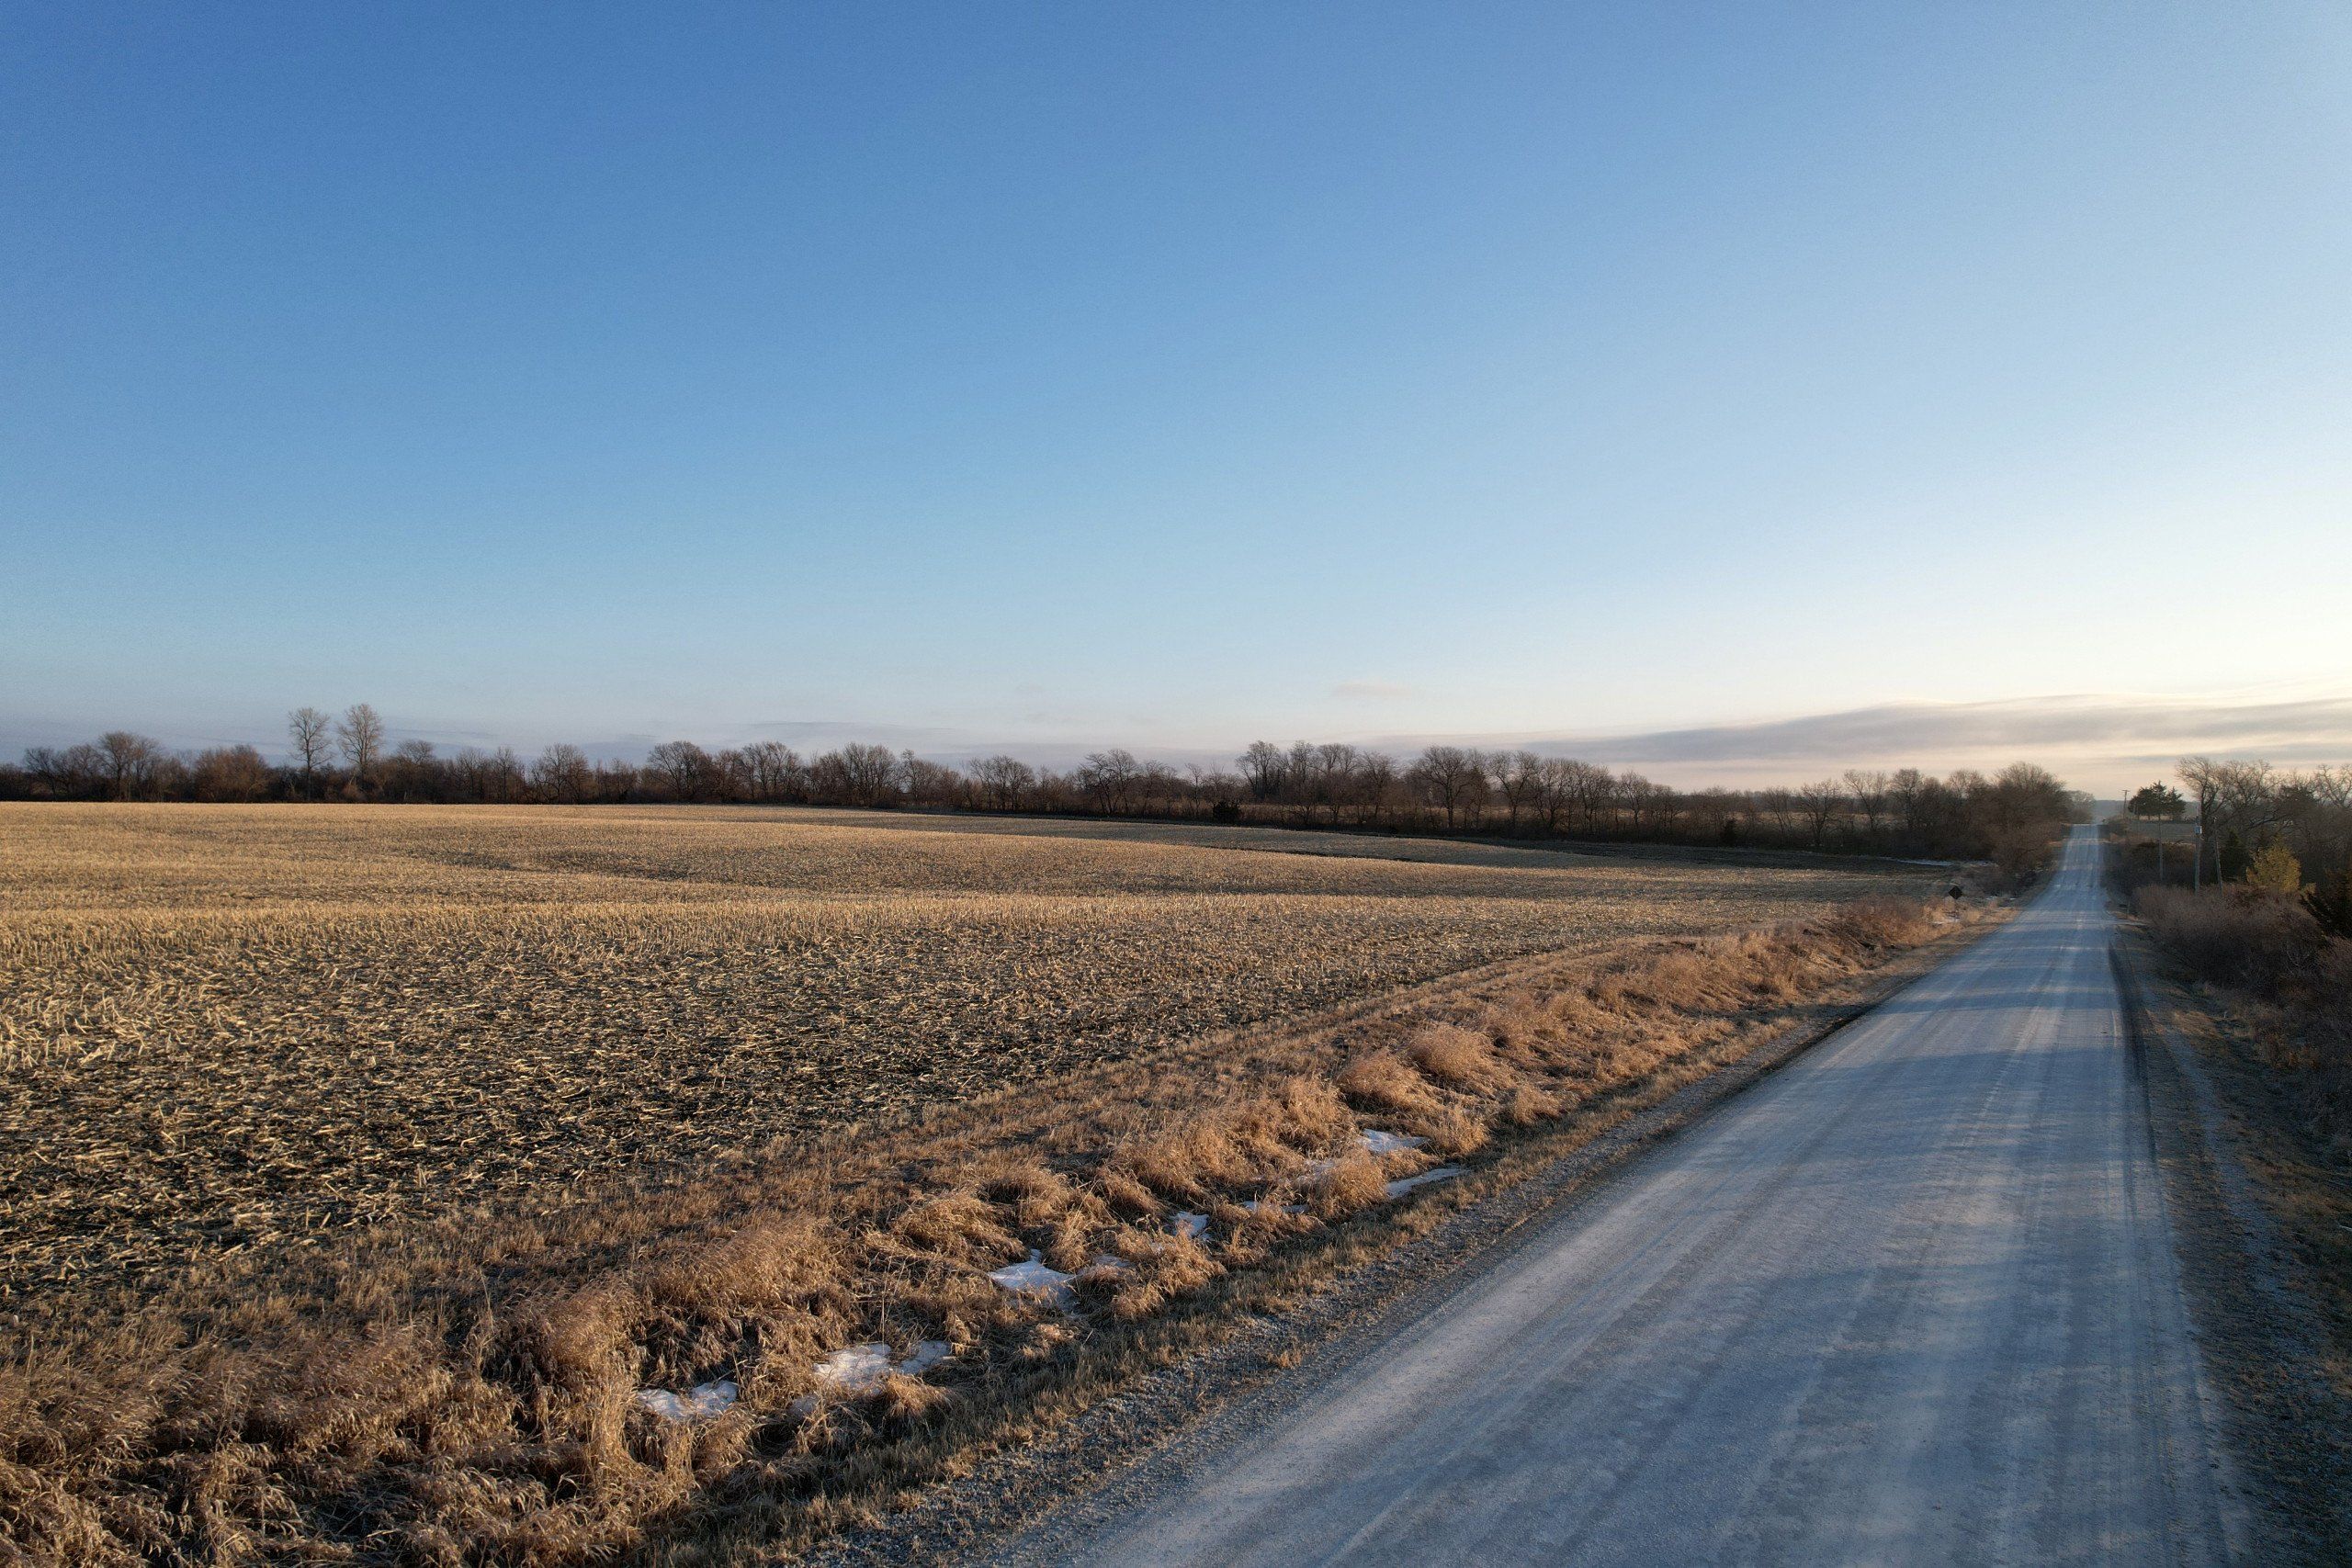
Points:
1170	375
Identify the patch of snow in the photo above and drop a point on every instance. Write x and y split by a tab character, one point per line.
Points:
706	1399
1110	1263
1188	1223
1377	1142
928	1353
1034	1279
860	1368
1405	1184
854	1370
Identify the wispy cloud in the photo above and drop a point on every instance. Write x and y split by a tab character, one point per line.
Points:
1371	691
2099	740
806	732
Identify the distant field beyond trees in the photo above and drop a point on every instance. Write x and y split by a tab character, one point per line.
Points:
2011	817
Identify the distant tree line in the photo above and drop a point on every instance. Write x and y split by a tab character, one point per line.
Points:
2254	827
2011	816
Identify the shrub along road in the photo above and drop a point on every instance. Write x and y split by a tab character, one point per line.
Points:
1914	1298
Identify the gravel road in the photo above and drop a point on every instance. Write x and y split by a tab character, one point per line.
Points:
1913	1299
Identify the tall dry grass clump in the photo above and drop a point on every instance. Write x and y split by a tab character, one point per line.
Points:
2235	936
2293	983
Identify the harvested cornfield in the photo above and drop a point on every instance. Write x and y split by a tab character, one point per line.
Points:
229	1029
537	1186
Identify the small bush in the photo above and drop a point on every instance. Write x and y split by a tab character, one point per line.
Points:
960	1227
1876	924
1525	1106
1356	1181
1187	1163
2297	978
2235	936
1385	1081
2276	870
1458	1058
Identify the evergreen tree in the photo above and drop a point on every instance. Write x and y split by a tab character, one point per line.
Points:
2234	858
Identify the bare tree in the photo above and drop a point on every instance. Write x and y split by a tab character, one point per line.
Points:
1593	791
230	772
412	772
855	775
1518	777
1374	783
1005	782
1872	792
690	772
2232	798
361	737
1452	778
1315	778
468	773
774	770
78	770
929	784
734	775
2250	798
1299	775
1585	788
2248	812
1909	792
1645	802
561	774
616	780
1819	802
2202	775
1263	766
502	776
1156	787
1321	776
1713	815
131	762
1552	792
1110	779
308	727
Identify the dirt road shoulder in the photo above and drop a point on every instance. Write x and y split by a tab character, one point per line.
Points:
2266	1241
1086	1467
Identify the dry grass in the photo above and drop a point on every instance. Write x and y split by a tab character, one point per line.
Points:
2277	1130
598	1120
2286	981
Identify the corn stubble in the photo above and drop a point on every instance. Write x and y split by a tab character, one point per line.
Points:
364	1163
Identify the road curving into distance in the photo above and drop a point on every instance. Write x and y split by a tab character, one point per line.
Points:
1913	1299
